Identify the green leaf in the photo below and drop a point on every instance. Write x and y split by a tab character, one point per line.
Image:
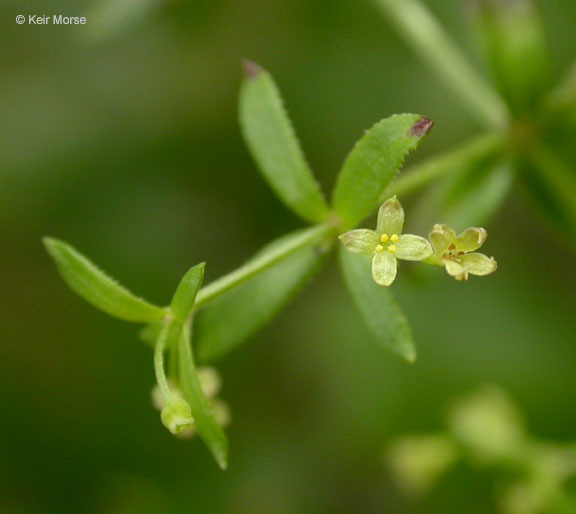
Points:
373	163
439	52
206	423
97	288
272	141
472	195
447	163
232	318
514	44
185	295
553	183
377	306
561	102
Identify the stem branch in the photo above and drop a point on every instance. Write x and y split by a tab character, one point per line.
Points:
262	262
159	361
432	168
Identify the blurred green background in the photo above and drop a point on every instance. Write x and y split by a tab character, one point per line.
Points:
123	140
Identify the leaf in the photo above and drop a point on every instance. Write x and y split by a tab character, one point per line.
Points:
232	318
97	288
377	306
204	419
553	183
272	141
514	45
473	195
373	163
185	295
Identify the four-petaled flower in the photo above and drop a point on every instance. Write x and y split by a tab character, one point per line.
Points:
387	243
456	253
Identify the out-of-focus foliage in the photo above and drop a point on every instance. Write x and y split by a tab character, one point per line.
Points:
129	146
488	432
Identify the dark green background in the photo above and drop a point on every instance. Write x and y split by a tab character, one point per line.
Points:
129	148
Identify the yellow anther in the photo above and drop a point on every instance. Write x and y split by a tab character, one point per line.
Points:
384	238
394	238
392	249
379	248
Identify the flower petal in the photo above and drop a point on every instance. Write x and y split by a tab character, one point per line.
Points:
455	270
390	217
441	238
413	248
384	268
478	264
471	239
361	240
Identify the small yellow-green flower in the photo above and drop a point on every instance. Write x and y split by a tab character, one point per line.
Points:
387	243
456	253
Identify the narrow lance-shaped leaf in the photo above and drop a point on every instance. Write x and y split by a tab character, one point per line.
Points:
472	195
513	41
204	419
97	288
230	319
373	163
553	183
185	295
273	143
377	306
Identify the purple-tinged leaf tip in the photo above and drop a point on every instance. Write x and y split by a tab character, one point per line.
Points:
421	127
251	69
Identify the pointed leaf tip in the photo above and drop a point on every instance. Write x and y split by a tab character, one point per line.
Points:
251	69
421	127
373	163
185	296
96	287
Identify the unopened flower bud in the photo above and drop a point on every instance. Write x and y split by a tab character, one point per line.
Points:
176	415
221	413
210	382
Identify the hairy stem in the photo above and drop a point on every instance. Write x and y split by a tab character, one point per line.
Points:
428	39
159	361
308	237
421	174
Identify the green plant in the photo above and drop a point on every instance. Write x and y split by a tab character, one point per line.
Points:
227	311
488	432
529	120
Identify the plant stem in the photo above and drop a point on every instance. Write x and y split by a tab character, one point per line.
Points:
427	38
262	262
421	174
159	361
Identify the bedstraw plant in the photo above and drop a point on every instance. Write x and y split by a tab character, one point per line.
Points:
205	322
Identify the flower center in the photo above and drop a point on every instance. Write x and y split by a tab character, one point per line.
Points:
452	254
384	238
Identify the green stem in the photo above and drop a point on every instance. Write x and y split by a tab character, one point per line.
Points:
427	38
260	263
159	361
423	173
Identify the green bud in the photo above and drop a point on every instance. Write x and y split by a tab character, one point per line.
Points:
222	413
489	424
418	461
176	415
210	381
